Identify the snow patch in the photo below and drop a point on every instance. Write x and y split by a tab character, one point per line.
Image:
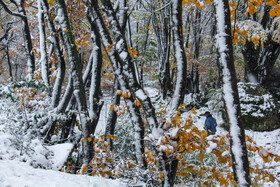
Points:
60	154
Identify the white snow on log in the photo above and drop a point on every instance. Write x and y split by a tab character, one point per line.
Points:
141	95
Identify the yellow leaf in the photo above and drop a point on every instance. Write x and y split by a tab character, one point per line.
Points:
111	107
134	52
51	2
272	13
277	159
184	2
110	47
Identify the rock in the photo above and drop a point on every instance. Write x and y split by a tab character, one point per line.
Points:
259	108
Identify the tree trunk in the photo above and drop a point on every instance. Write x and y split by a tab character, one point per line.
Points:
27	42
56	92
9	63
78	85
66	128
43	47
112	116
180	56
237	135
163	34
197	41
94	95
251	56
267	61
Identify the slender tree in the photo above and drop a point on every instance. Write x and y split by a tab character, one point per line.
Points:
231	97
162	29
180	56
43	44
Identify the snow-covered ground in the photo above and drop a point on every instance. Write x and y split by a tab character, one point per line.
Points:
14	172
18	174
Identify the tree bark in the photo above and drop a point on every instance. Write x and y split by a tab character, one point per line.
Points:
237	134
268	57
163	34
112	116
251	57
56	92
180	56
94	94
9	63
43	46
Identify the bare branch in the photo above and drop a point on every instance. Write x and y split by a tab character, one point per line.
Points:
10	12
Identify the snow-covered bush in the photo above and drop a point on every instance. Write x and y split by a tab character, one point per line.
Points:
24	106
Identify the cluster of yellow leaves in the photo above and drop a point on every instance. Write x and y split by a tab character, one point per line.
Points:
153	164
133	53
109	47
102	161
262	152
120	110
249	31
233	10
83	41
69	168
137	103
254	4
251	9
26	95
126	94
275	12
86	139
197	3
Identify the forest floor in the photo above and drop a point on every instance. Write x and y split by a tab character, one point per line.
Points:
18	174
15	173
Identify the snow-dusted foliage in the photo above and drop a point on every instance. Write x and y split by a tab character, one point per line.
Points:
21	123
153	53
252	31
